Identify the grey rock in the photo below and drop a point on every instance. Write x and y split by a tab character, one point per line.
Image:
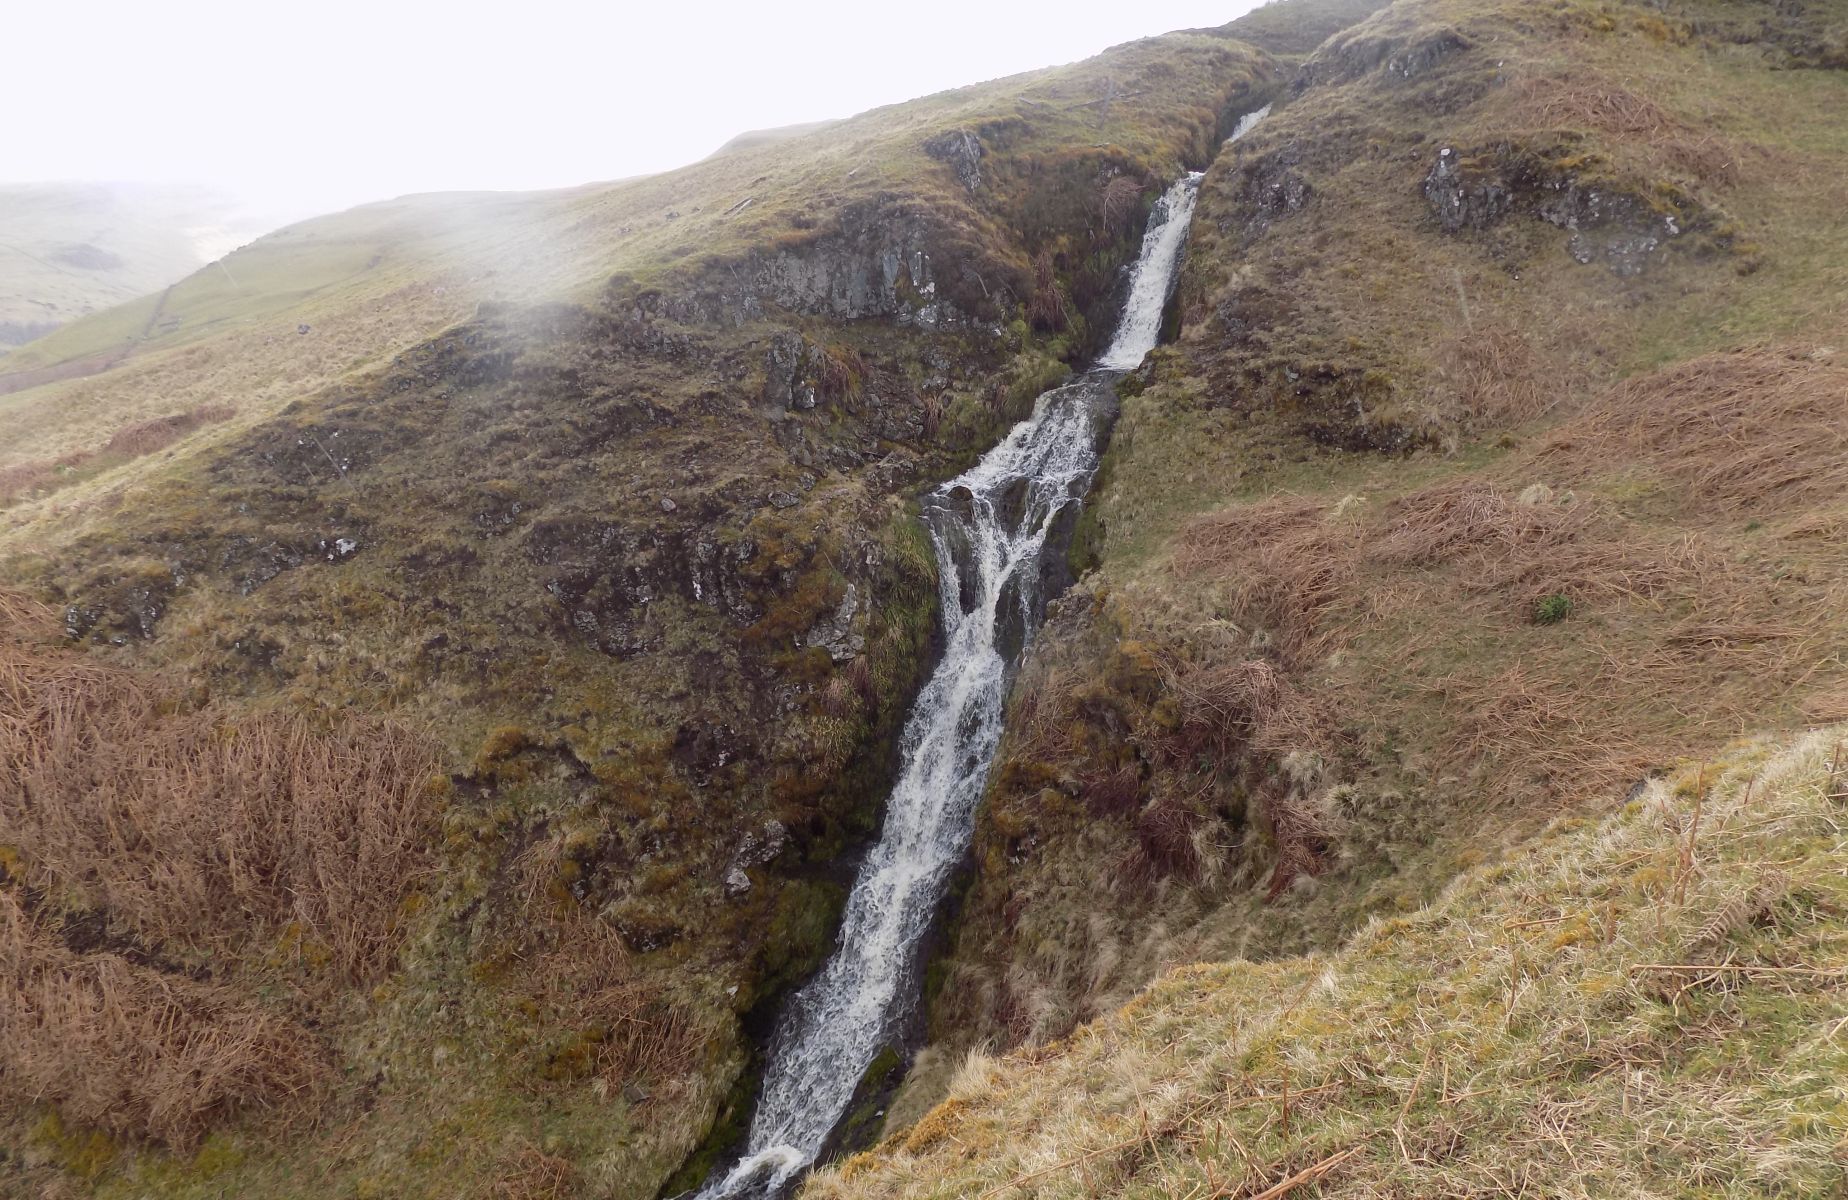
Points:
787	371
877	265
840	634
761	847
1607	225
963	151
1463	202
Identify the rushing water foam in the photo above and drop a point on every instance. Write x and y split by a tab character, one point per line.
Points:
989	527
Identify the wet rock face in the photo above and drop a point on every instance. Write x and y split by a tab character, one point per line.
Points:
757	848
703	748
1270	188
841	633
879	264
604	576
1618	230
963	151
1462	201
1420	57
252	563
787	374
136	613
1609	223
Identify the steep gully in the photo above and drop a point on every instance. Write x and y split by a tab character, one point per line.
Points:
989	527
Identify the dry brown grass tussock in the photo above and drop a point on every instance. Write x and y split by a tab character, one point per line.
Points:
178	836
206	831
1520	547
145	437
1758	429
1588	101
132	441
1310	578
1227	708
25	618
577	966
1576	715
632	1031
1491	373
134	1051
1287	565
22	479
529	1173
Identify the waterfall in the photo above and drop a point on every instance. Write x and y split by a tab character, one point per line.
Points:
1246	122
989	527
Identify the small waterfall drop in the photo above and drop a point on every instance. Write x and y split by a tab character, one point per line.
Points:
989	528
1246	122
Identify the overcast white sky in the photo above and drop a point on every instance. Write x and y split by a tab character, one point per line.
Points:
317	105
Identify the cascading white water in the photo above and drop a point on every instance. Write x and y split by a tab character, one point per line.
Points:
1246	122
989	526
1148	292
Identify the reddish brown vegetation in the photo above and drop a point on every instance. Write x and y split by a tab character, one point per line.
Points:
202	831
576	966
840	373
1288	569
149	436
1118	202
1760	431
1047	308
22	479
1587	101
1493	375
529	1173
135	1051
178	839
133	441
1750	430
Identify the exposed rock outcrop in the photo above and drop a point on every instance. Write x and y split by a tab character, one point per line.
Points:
963	151
1610	220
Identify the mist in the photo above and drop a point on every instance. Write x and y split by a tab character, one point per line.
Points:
296	110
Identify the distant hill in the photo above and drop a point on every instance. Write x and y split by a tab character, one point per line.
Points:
71	249
751	139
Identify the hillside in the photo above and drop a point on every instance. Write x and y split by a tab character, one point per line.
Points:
303	307
452	657
591	513
1496	470
1643	1005
70	250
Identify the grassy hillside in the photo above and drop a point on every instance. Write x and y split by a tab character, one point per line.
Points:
449	656
1497	468
625	556
1647	1004
70	250
374	281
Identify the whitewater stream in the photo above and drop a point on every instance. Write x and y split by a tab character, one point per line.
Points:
989	527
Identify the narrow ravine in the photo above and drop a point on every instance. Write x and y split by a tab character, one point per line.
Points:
989	527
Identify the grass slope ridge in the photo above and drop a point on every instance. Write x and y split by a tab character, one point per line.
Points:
1648	1005
303	307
